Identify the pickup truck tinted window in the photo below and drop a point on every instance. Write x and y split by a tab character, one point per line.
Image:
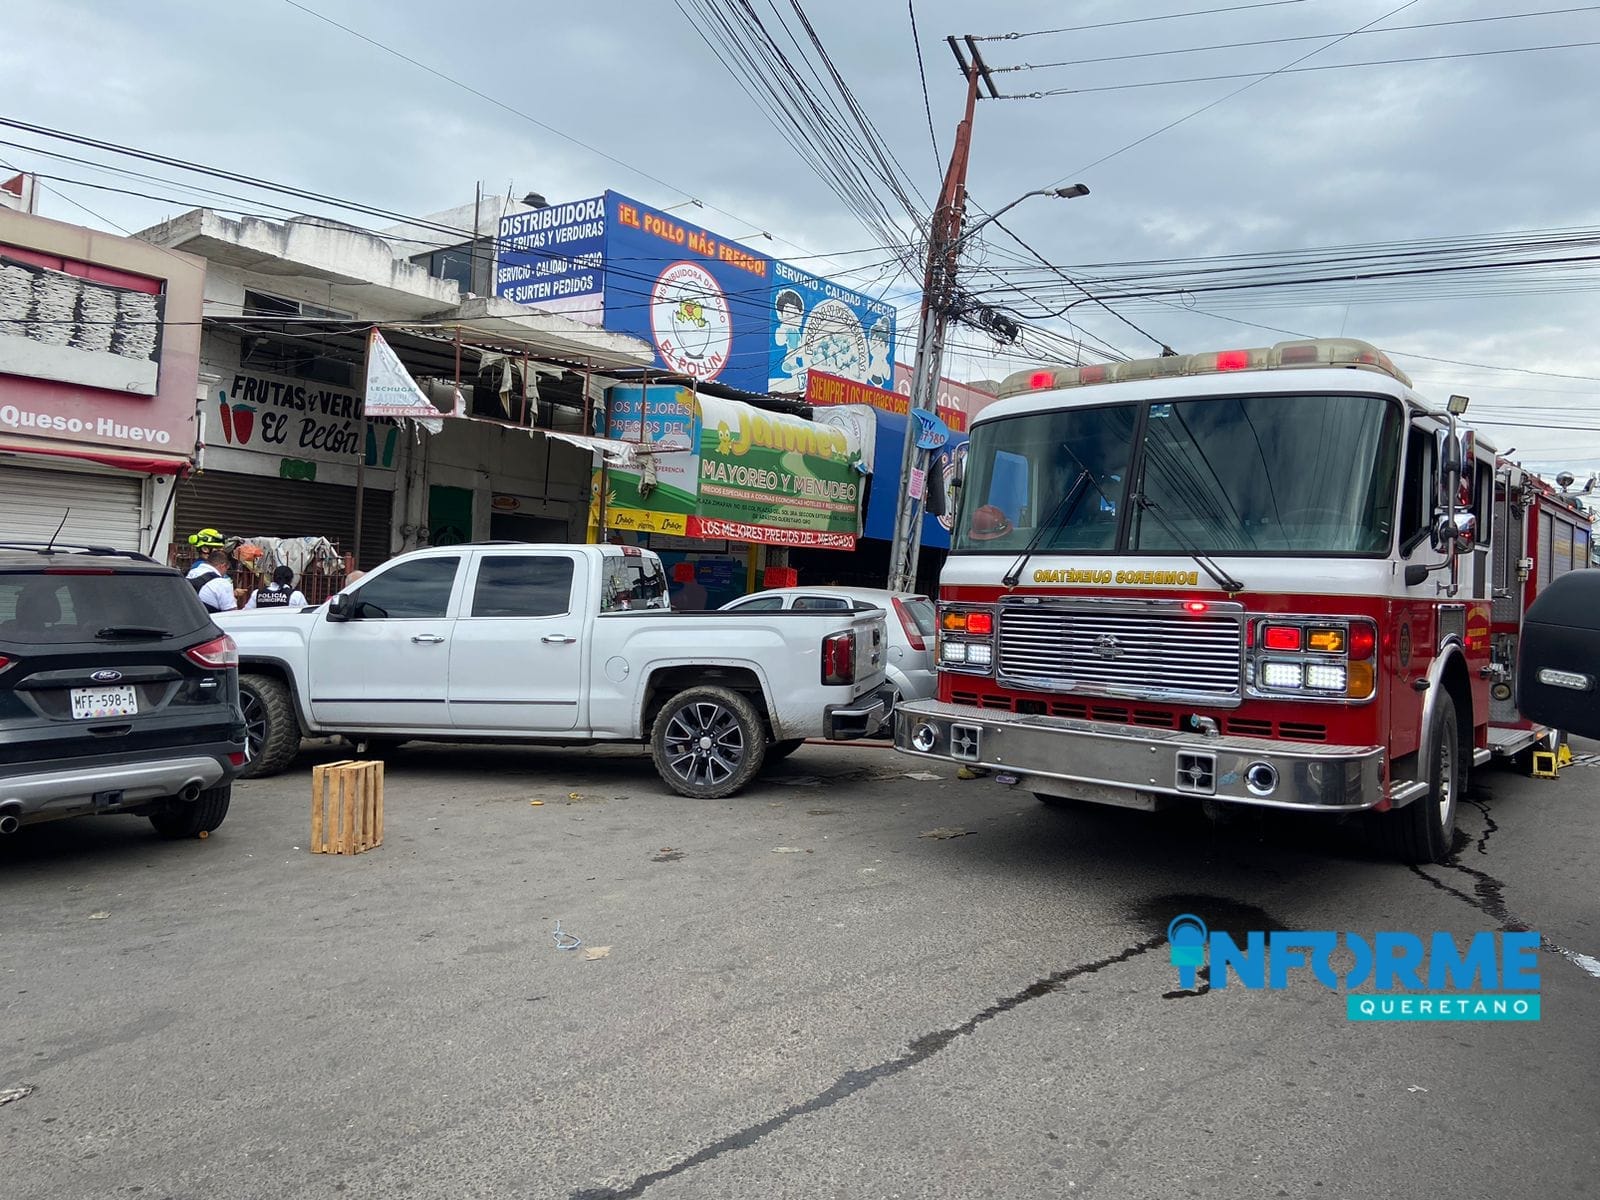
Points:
419	588
523	585
762	604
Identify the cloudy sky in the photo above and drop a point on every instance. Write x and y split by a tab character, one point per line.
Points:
627	95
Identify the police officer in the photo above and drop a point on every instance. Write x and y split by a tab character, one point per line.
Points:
280	593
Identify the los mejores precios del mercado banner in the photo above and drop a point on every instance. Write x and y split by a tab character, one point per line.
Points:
713	309
891	409
743	473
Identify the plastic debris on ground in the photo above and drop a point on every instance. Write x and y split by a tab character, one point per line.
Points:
565	940
594	952
7	1095
946	832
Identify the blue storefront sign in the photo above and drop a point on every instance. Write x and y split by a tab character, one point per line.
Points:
712	308
883	499
553	258
818	325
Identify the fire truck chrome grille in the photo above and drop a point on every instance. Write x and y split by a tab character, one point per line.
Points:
1153	654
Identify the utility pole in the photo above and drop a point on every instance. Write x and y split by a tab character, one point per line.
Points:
938	292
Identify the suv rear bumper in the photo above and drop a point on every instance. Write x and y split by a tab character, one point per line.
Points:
105	784
1130	766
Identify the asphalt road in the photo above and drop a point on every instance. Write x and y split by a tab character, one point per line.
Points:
804	996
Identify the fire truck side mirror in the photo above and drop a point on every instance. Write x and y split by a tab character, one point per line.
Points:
1453	535
1447	453
1558	659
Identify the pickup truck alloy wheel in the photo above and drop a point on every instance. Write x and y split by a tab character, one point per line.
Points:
708	742
270	725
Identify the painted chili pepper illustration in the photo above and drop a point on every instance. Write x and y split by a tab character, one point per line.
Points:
244	422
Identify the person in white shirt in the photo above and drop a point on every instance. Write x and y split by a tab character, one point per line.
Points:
217	592
280	593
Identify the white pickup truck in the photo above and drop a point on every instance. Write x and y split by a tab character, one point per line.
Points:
559	644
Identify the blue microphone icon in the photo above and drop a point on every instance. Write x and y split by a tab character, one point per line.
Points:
1187	934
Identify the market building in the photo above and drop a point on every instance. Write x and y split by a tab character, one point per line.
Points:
99	368
737	336
287	450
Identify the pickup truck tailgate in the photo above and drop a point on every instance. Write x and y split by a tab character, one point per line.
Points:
871	702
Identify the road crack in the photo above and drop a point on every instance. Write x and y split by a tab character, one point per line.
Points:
1489	895
851	1082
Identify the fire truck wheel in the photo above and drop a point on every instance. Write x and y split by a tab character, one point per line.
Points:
1421	832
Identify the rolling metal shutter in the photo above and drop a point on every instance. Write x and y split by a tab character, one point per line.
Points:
106	510
265	506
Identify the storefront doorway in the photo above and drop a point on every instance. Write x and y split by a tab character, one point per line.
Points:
449	515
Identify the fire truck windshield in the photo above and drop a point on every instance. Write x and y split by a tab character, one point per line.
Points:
1311	474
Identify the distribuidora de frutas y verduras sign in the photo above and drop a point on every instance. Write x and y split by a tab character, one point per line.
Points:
753	476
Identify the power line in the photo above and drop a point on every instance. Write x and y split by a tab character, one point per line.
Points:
1087	294
414	223
1224	99
1304	37
922	74
1204	12
1261	75
517	112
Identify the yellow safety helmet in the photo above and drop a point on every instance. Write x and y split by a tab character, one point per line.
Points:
205	539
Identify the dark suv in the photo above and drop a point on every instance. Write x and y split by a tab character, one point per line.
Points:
117	693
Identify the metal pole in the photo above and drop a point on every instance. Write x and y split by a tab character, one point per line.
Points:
944	243
361	450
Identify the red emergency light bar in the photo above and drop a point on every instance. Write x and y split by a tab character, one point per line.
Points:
1320	352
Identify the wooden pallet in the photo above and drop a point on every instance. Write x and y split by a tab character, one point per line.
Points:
346	807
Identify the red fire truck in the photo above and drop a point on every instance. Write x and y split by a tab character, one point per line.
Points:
1273	577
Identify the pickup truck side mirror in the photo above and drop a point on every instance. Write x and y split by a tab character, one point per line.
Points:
342	607
1558	661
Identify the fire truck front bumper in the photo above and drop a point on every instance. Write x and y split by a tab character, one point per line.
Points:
1131	766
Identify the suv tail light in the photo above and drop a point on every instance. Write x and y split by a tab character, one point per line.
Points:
839	658
216	655
909	624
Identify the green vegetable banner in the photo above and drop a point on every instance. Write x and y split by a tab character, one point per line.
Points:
754	476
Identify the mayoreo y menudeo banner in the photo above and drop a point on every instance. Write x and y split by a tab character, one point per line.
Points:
749	475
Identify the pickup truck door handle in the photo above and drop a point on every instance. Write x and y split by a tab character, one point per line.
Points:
558	639
430	638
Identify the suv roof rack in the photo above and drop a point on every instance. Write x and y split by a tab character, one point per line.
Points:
75	548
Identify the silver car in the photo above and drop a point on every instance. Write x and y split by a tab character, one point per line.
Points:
911	626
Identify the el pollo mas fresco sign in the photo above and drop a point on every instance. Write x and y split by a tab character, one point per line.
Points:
750	475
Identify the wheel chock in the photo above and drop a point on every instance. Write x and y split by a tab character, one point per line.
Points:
1544	764
1564	756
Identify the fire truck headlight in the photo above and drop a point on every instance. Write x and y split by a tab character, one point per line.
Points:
980	654
954	652
1324	677
1281	675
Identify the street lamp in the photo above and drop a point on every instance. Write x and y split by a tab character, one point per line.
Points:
1065	193
944	252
